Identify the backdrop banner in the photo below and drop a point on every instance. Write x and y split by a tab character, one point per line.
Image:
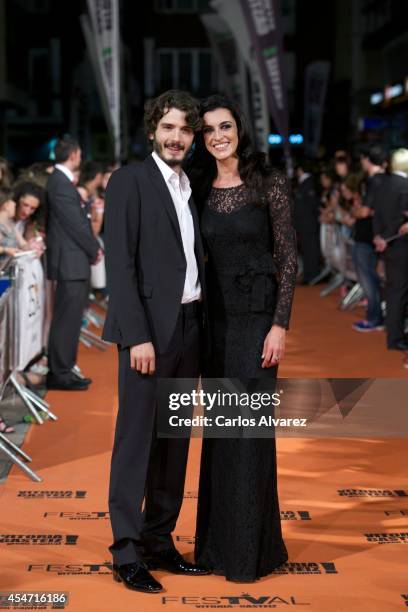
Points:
104	49
316	81
263	21
257	105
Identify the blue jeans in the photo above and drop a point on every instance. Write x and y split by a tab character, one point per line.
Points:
365	263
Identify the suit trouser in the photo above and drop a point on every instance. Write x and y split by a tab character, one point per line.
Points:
144	467
69	305
396	269
309	243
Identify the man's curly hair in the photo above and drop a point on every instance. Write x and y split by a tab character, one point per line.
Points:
156	108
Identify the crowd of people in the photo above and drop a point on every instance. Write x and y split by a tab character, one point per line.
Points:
356	206
359	207
28	222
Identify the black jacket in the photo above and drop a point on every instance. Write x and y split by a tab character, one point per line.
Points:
306	207
145	261
71	245
390	203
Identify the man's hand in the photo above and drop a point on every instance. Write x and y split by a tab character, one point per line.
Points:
380	244
274	346
362	212
143	358
403	229
98	257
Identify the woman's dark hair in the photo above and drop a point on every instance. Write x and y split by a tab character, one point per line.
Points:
253	166
375	154
329	172
89	170
156	108
28	188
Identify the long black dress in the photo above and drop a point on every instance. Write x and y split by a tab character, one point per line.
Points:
249	247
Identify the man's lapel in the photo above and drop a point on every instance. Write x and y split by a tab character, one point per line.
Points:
164	194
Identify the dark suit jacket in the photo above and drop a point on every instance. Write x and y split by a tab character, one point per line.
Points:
390	202
306	207
71	245
145	261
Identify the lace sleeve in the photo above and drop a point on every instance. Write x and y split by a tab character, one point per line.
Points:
285	255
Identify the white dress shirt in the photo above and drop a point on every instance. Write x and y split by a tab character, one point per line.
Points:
180	191
66	171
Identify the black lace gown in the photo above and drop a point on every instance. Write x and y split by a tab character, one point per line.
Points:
251	280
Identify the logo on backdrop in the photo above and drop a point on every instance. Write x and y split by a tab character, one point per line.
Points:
372	492
72	569
52	494
80	569
295	515
190	495
388	538
38	539
78	516
246	600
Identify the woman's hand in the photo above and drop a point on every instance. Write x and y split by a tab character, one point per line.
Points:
403	229
11	251
274	346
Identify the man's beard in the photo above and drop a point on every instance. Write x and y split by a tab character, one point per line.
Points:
161	149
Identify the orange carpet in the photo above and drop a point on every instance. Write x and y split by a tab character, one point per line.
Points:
344	502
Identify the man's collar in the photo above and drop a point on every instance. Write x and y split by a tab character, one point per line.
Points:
400	173
66	171
168	172
304	176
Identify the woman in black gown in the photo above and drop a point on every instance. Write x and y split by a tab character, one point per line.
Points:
247	227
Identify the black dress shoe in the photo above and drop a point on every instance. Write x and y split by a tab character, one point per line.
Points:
136	577
88	381
401	346
71	383
171	561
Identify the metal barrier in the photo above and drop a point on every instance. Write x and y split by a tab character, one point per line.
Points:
7	325
34	403
16	350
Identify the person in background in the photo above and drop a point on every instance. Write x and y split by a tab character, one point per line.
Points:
30	210
306	221
107	173
72	248
391	238
36	173
90	187
11	241
327	185
350	196
342	164
365	257
6	178
90	184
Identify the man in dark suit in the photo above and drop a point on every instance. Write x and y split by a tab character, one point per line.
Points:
71	249
391	208
306	221
155	274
